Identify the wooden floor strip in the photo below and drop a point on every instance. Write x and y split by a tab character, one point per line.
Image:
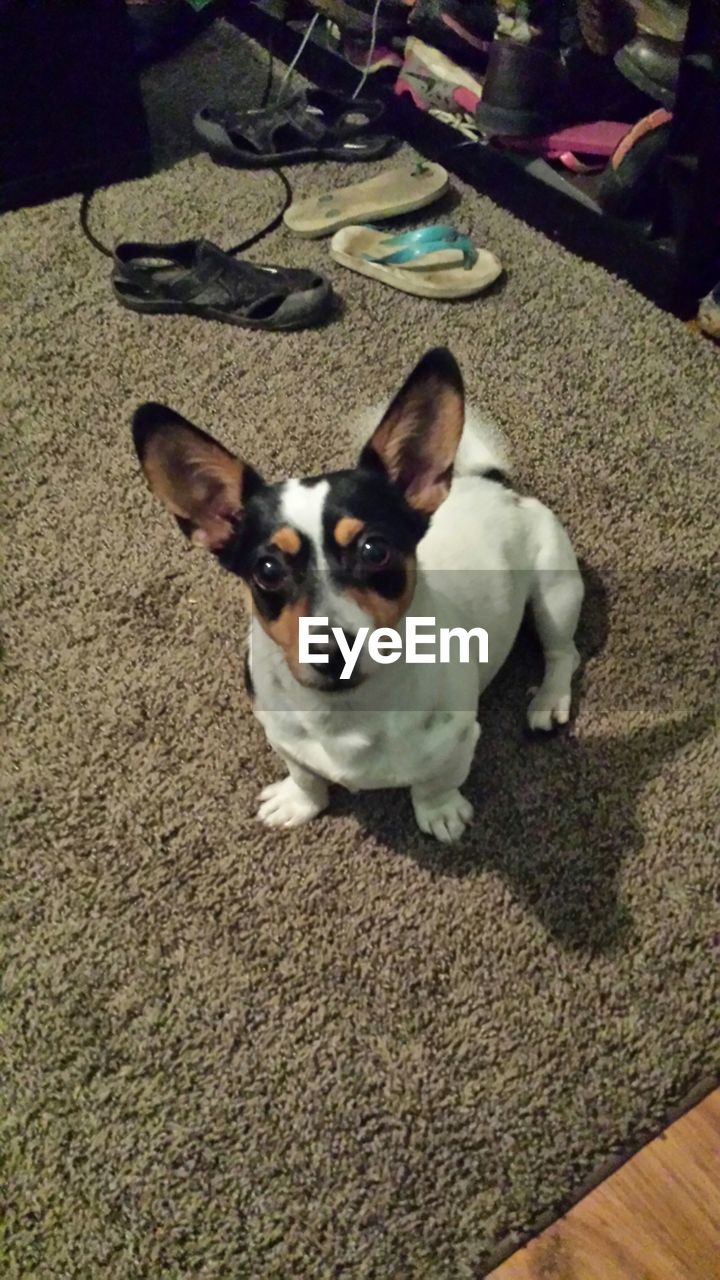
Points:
656	1218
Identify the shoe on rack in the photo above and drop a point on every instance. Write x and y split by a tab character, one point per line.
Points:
522	90
355	17
605	25
652	64
666	18
462	31
631	183
357	53
435	83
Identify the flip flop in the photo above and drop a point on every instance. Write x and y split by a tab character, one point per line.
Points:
432	262
582	148
195	278
392	194
313	124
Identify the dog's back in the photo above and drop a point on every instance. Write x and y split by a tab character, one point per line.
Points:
482	450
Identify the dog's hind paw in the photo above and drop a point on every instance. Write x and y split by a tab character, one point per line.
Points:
548	709
285	804
445	817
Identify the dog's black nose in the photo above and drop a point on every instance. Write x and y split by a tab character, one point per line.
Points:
331	671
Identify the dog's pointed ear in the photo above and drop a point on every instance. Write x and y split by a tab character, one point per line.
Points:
197	479
417	439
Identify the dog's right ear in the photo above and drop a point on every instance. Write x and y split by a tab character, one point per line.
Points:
418	437
197	479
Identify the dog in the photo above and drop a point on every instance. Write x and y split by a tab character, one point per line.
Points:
426	526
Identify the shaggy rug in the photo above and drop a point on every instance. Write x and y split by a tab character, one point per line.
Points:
342	1051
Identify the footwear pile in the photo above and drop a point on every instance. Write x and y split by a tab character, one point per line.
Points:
532	75
198	278
585	86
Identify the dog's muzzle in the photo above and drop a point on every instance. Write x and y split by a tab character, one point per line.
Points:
328	675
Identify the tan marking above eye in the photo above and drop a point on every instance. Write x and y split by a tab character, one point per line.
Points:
346	530
287	540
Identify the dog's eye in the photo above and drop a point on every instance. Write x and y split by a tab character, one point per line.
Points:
374	552
269	573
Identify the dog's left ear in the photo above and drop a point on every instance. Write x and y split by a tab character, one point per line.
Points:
417	439
196	478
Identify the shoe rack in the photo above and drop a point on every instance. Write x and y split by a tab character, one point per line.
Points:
673	257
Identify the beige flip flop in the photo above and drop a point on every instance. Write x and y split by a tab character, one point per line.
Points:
390	195
431	262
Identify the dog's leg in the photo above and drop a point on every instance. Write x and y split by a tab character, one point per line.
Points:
440	808
556	596
293	800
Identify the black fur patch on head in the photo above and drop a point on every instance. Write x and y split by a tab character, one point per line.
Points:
260	518
367	496
362	494
252	543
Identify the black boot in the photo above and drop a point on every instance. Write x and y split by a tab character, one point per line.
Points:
653	66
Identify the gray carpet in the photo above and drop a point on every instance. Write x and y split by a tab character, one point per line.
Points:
344	1051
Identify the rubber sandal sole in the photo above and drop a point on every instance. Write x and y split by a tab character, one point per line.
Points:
170	308
391	195
435	278
247	160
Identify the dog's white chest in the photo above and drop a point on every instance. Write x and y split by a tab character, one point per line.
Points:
394	749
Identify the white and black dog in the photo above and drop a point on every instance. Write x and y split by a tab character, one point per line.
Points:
426	526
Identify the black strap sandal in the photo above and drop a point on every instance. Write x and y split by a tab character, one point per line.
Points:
314	124
195	278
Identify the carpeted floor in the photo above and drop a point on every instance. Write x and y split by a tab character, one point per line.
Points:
344	1051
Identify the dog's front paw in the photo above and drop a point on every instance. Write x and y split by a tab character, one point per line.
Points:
445	816
548	708
285	804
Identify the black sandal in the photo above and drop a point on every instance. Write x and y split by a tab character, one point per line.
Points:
195	278
314	124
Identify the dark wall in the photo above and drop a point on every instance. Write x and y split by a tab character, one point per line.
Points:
71	113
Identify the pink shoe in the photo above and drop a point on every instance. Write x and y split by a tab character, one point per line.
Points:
434	82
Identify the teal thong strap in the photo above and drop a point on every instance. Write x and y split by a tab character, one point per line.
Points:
409	246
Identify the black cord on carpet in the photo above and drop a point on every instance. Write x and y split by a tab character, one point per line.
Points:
273	224
237	248
85	226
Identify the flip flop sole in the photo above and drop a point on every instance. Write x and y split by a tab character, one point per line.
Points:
444	283
391	195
